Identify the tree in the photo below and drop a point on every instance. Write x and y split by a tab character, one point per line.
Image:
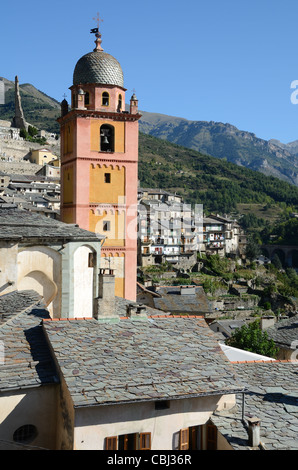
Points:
276	261
252	250
32	131
252	338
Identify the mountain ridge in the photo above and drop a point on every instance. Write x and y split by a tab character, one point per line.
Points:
220	140
225	141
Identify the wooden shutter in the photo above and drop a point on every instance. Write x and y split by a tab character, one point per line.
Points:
145	441
111	443
211	437
184	439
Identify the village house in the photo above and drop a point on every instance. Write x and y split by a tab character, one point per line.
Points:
222	236
168	232
182	300
43	156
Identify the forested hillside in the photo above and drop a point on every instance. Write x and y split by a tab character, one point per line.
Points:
219	185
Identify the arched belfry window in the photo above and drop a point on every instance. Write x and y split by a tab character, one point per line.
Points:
87	98
105	99
107	138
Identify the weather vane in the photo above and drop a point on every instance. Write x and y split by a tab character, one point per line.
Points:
96	30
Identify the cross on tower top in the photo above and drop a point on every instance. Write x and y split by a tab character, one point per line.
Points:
98	20
97	33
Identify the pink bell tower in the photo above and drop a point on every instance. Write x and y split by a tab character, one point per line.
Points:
99	162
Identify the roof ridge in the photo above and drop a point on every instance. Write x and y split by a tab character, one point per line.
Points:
67	319
264	361
201	317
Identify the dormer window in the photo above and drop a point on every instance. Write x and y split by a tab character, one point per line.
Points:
105	99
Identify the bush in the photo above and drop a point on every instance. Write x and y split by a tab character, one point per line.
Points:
252	338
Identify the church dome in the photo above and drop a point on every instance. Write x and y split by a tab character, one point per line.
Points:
98	67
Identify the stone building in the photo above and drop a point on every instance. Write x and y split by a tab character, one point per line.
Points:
222	236
169	231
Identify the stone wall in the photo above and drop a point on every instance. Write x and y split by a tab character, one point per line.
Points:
19	168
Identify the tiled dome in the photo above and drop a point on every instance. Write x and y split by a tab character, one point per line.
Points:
98	67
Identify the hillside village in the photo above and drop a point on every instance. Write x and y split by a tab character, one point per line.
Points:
111	342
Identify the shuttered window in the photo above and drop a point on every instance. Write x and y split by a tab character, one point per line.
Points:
111	443
211	437
184	439
145	441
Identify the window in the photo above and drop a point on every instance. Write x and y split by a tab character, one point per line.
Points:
106	226
145	441
111	443
119	102
162	405
211	437
87	98
128	442
134	441
25	434
91	260
107	177
105	99
184	439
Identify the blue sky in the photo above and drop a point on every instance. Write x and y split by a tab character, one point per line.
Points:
229	61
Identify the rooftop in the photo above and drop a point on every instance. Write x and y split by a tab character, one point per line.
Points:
285	332
272	397
17	224
182	299
27	360
140	360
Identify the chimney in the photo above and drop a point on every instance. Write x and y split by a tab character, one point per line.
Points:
267	321
105	302
136	311
253	431
187	290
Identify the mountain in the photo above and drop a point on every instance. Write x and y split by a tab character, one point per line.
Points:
225	141
219	185
291	147
219	140
40	110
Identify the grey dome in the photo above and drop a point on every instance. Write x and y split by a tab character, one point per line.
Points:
98	67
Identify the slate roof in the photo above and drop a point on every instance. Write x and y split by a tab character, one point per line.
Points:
285	332
16	302
172	301
228	326
272	397
17	224
27	361
139	360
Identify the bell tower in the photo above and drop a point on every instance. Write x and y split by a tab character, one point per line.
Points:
99	162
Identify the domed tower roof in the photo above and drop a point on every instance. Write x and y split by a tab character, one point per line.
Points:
98	67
